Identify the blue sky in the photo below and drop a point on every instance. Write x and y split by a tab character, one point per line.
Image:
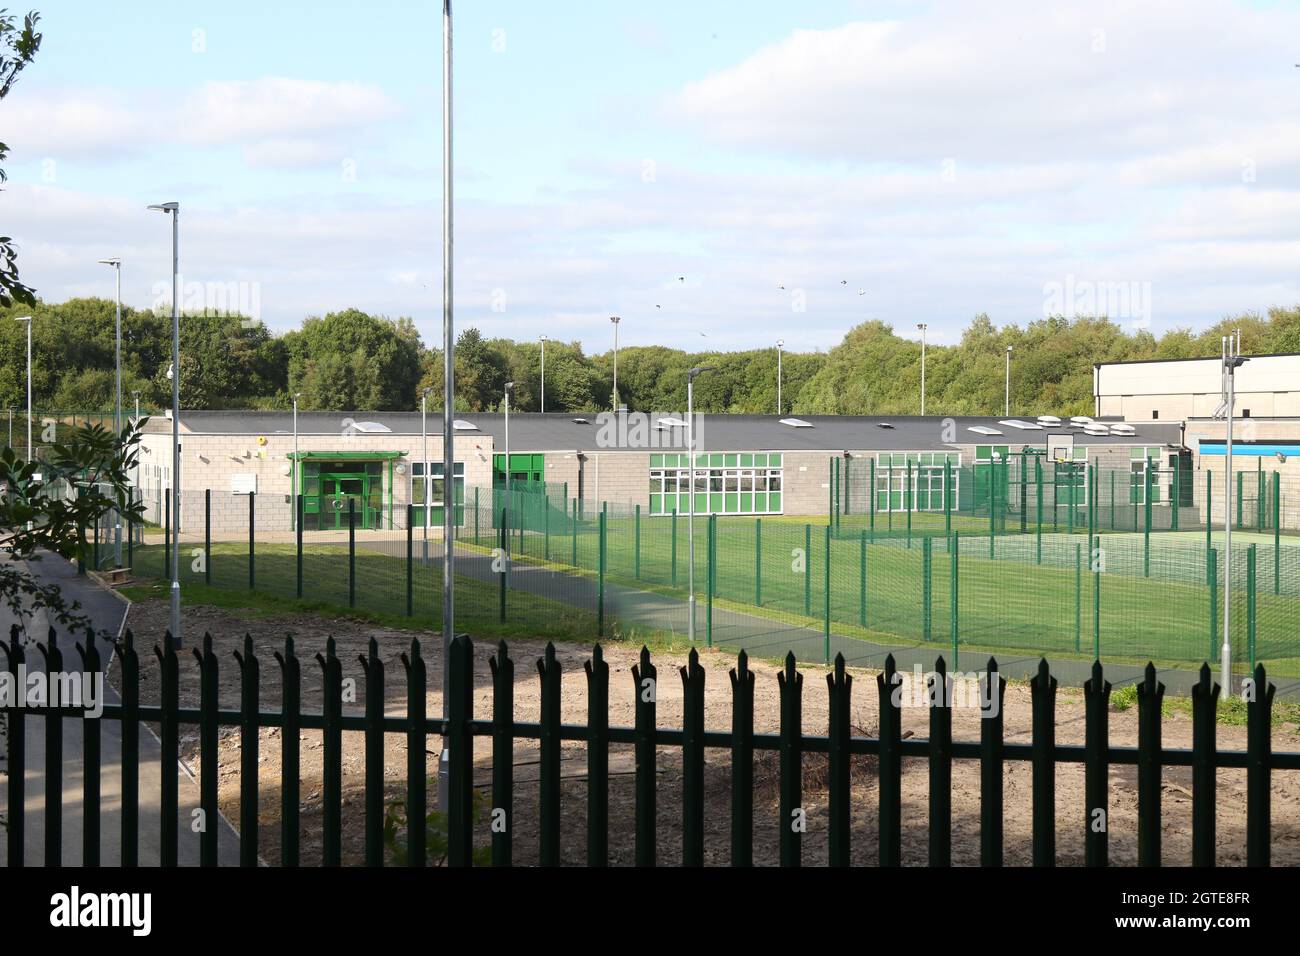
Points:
906	162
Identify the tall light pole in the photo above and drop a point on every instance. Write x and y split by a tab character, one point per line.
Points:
448	403
28	320
690	525
1232	360
922	326
1007	403
543	374
780	346
293	471
615	320
116	263
174	208
428	485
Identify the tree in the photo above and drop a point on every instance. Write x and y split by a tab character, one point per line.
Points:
18	46
351	360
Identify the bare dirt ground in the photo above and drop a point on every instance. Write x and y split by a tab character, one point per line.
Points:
150	619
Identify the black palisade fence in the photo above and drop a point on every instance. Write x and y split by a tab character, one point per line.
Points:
741	742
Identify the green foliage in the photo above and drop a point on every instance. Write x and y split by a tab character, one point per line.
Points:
436	847
48	505
18	46
352	361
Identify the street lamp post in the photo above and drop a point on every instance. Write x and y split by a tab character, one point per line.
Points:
922	326
1232	360
690	525
448	403
1007	402
174	208
116	263
780	346
28	320
615	319
543	374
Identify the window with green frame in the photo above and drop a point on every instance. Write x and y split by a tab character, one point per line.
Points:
726	483
437	491
914	480
1139	458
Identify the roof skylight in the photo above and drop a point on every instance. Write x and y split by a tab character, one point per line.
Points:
796	423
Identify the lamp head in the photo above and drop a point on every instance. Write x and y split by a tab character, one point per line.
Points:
615	319
698	369
114	261
22	318
166	207
780	343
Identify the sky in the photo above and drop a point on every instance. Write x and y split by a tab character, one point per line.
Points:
718	174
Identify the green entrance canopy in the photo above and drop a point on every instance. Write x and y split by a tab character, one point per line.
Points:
346	455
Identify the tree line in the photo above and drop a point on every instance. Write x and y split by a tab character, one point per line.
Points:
352	360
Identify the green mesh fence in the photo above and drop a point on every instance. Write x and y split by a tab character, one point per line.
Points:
961	580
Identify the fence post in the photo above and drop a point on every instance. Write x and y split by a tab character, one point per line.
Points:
673	535
1258	761
1239	498
1043	766
693	761
807	570
1096	768
410	555
636	544
1205	699
1277	532
573	526
1212	577
597	756
826	587
758	562
1150	695
992	482
709	578
600	597
546	532
460	747
644	680
871	514
501	582
1146	514
991	762
207	536
926	609
252	536
297	534
1078	592
1175	500
953	597
947	492
790	751
890	768
908	498
1095	557
742	762
352	552
846	498
1209	508
1038	534
862	580
1250	604
840	686
167	533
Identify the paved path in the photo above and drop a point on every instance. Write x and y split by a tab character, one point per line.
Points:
109	613
765	637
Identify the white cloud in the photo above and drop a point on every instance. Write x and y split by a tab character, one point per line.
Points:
275	120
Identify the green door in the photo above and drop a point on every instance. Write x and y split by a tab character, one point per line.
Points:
337	490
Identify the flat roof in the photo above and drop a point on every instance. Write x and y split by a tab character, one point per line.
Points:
562	431
1197	358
